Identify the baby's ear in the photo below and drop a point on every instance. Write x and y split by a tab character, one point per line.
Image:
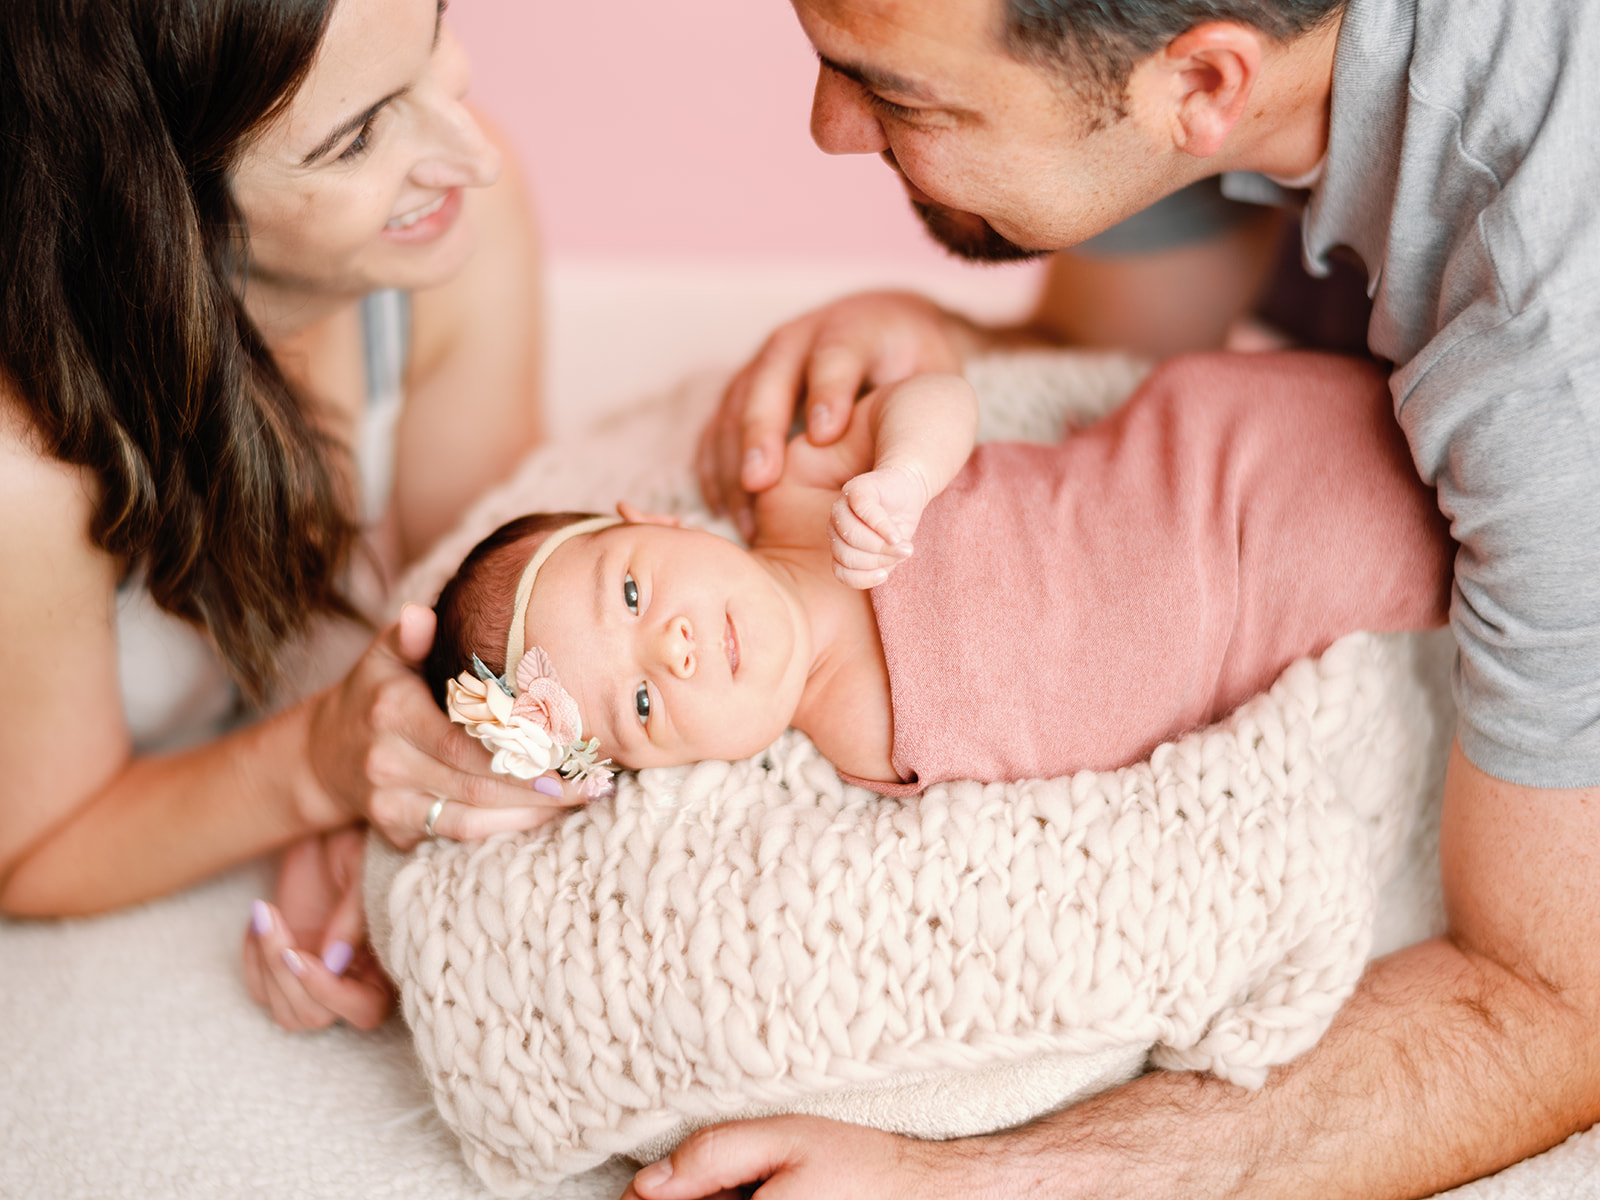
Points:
636	516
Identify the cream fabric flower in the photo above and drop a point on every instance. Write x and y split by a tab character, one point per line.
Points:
521	747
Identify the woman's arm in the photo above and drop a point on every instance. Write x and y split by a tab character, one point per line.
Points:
86	825
473	388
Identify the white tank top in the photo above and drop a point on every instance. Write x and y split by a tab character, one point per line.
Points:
175	691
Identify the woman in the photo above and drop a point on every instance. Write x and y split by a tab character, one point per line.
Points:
235	232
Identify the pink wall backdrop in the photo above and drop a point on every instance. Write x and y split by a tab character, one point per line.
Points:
678	128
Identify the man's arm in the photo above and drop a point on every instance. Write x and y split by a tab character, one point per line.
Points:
1453	1059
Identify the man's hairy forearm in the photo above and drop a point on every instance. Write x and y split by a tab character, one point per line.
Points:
1439	1070
1445	1065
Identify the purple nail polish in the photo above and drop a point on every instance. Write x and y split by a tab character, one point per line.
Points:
338	956
261	918
292	961
546	786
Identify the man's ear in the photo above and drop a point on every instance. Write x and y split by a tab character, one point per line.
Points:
1202	82
636	516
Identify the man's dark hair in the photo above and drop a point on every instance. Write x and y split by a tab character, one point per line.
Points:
1099	41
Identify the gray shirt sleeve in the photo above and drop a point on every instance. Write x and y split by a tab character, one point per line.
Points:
1509	422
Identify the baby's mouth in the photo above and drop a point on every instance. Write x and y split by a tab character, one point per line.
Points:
730	642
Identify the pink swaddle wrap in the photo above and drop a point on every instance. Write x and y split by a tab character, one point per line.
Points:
1072	606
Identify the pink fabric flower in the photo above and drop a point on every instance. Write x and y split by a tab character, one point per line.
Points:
542	700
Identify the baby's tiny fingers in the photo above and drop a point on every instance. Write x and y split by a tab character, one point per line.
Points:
848	528
862	580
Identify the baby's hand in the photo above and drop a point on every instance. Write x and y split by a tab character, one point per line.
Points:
873	522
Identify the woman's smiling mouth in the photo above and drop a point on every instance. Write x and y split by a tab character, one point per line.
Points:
407	220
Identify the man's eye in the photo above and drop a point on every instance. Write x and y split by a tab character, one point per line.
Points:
630	594
641	703
890	109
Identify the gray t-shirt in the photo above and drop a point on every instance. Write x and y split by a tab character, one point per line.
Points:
1463	170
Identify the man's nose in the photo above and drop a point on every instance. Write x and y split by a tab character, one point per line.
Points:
841	122
675	645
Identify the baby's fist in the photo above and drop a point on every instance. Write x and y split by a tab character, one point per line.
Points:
873	521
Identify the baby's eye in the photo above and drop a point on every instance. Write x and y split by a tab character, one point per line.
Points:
641	703
630	594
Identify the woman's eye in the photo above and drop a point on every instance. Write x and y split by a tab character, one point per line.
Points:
641	703
362	140
630	594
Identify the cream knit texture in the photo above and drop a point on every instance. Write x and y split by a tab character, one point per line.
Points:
745	937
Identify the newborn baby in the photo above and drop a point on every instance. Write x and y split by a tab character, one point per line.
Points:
924	611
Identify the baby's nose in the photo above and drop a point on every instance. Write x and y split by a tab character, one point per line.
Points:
677	647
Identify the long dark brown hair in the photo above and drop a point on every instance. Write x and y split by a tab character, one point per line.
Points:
122	328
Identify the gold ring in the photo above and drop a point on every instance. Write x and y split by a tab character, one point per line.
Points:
433	815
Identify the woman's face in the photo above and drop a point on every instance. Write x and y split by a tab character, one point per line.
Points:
359	183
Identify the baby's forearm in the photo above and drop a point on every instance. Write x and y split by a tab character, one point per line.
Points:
926	424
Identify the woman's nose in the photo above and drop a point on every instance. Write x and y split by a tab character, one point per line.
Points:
841	122
460	153
675	645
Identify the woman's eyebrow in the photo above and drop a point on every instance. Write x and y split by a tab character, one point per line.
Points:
347	127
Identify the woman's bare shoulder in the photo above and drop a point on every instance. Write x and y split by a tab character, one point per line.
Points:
58	661
43	499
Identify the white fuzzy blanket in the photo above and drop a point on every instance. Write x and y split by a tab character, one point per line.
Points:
753	937
132	1062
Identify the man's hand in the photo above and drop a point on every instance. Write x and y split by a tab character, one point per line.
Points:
820	363
803	1158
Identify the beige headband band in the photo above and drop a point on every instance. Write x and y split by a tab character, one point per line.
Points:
519	608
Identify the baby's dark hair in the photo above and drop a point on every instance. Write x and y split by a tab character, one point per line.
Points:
474	608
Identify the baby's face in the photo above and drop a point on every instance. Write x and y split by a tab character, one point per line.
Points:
677	644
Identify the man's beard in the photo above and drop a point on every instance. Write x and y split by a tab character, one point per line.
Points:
969	236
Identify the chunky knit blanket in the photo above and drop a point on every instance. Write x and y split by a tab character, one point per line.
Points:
736	938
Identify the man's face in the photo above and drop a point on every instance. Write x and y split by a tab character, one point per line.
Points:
1001	158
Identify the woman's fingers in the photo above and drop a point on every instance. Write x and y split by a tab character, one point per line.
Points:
281	965
413	633
459	822
301	990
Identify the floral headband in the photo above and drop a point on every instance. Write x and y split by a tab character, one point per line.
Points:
525	717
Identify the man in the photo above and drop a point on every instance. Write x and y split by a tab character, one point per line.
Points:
1449	144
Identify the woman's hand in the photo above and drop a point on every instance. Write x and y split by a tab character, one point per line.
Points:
822	362
382	751
307	959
